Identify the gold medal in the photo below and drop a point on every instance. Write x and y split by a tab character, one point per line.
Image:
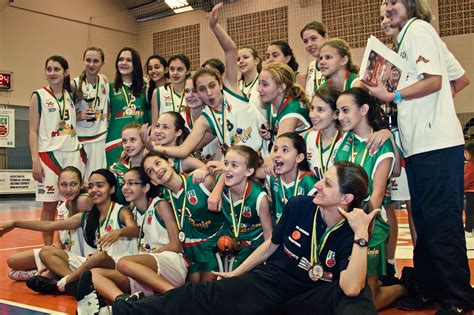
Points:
181	236
129	111
237	246
224	148
316	272
62	125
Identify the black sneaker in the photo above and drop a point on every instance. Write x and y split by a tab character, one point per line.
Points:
390	278
414	303
42	285
88	300
71	288
127	297
408	280
449	310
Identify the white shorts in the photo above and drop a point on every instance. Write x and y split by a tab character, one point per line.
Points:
399	190
39	264
170	265
52	163
74	260
95	157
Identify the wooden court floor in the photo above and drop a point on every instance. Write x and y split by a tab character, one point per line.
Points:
19	240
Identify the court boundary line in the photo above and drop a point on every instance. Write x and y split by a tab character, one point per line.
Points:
20	247
32	308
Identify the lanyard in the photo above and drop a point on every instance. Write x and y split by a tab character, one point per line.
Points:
189	117
180	100
127	100
316	81
344	86
109	213
354	154
324	168
282	106
224	121
235	227
179	221
62	110
296	182
404	33
316	248
243	85
140	236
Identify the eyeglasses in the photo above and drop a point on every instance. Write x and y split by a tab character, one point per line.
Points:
132	183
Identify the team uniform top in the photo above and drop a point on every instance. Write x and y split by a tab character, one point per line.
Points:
241	124
153	234
57	125
124	108
168	100
314	78
430	122
201	227
250	91
119	168
290	108
72	240
123	246
292	258
313	153
250	232
348	82
281	192
98	97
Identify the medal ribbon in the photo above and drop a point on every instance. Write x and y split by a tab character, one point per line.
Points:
282	106
224	121
234	227
243	85
354	154
404	33
324	168
127	100
62	110
316	248
296	181
109	213
179	221
346	78
140	236
180	100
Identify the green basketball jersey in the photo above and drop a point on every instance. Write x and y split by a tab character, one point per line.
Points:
290	108
119	168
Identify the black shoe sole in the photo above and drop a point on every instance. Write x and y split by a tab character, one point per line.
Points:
42	285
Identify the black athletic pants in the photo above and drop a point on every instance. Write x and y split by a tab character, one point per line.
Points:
258	292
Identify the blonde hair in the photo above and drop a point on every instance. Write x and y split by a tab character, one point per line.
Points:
343	49
281	73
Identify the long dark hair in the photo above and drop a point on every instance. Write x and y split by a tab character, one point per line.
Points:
151	83
137	79
64	64
375	115
287	51
91	220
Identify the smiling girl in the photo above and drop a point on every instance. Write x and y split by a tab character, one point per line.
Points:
156	68
52	136
127	100
280	51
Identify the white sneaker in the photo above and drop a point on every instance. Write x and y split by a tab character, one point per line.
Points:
90	305
61	283
21	275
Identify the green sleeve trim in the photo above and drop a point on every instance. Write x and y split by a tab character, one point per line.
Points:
240	97
39	101
209	121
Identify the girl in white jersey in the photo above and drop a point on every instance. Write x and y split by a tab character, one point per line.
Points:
26	264
170	97
314	35
156	68
52	136
160	265
109	234
91	91
250	65
228	115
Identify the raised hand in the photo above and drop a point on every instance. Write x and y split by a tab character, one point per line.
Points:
214	15
359	221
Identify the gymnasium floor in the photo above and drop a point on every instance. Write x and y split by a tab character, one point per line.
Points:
20	240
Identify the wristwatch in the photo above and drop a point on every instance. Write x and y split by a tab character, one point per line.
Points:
398	97
362	242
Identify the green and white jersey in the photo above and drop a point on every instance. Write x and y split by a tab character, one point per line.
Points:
320	161
354	149
348	82
281	192
124	246
202	227
119	168
57	122
168	100
124	108
72	240
251	92
241	123
153	234
314	79
94	96
290	108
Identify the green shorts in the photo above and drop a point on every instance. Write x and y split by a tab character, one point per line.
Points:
206	266
377	251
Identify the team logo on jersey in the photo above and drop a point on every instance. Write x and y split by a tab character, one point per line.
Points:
50	189
331	259
421	58
191	194
247	212
108	228
149	220
296	235
309	155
